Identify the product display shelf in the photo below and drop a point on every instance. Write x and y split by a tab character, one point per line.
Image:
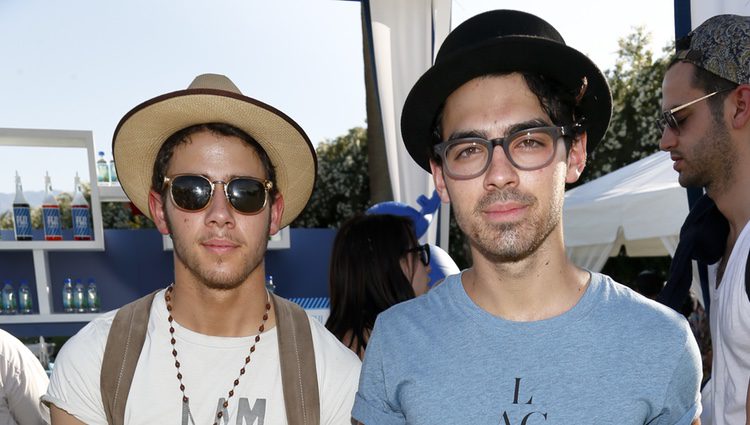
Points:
36	138
44	298
48	318
111	193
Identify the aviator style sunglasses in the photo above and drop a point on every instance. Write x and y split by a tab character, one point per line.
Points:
424	253
668	119
193	192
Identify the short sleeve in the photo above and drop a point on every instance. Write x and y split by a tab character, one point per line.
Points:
74	384
372	405
682	403
338	373
22	382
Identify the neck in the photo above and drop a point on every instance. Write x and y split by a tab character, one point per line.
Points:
222	312
543	285
734	203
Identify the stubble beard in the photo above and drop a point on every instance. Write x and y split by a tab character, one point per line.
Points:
511	242
713	161
209	273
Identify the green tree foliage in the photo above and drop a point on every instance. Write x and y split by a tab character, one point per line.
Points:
635	82
6	219
636	91
343	188
119	215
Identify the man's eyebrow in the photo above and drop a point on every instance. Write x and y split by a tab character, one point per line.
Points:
525	125
514	128
468	134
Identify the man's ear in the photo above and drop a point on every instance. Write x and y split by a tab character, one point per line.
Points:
277	210
741	104
156	207
439	179
576	158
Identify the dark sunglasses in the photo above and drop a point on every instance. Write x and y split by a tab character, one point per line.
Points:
193	192
424	253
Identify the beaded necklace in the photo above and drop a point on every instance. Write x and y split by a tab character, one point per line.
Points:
185	399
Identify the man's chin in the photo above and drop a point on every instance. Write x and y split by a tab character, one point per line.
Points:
222	284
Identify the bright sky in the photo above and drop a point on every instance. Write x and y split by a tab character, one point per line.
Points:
82	64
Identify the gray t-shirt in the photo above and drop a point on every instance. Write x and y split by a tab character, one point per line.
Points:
614	358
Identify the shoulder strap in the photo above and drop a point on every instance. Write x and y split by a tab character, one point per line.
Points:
124	343
299	376
747	276
296	353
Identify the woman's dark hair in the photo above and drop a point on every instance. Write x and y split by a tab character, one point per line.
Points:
648	283
365	274
183	136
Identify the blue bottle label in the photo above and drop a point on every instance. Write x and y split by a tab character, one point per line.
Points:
81	227
22	222
52	225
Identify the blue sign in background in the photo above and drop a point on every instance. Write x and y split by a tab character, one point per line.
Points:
135	264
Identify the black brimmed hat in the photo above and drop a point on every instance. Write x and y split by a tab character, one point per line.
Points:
503	41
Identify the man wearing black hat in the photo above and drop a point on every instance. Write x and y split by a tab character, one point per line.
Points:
505	117
706	129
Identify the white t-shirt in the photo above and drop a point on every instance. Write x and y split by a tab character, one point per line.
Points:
725	394
22	383
209	366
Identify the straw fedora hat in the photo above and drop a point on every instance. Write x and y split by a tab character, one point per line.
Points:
503	41
213	98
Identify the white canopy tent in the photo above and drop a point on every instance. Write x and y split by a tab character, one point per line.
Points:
641	206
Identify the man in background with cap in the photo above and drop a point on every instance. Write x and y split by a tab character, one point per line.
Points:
706	129
218	172
505	117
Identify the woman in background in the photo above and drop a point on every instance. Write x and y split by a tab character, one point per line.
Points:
376	262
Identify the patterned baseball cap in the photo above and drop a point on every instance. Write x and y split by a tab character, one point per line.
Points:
721	45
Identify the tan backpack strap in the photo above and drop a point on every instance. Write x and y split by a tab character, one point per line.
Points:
299	376
124	343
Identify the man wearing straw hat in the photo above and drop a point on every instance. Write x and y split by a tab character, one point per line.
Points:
218	172
504	118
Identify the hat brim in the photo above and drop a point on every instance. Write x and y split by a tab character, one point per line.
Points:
503	54
142	131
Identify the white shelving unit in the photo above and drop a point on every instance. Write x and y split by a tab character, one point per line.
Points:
32	138
48	318
111	193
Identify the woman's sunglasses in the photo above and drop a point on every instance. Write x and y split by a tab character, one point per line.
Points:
424	253
193	192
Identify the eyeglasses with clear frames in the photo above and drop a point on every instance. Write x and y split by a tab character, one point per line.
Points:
667	118
531	149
